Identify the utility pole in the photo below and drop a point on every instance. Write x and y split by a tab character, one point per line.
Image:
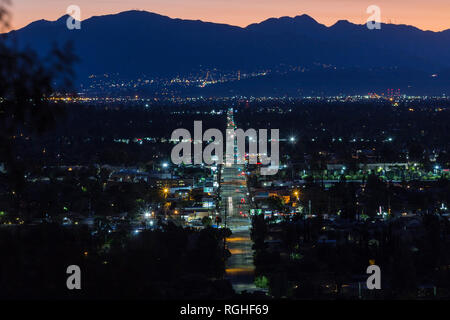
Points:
226	215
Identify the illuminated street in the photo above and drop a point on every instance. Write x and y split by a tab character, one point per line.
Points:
240	267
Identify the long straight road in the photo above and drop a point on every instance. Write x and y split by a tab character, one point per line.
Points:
235	211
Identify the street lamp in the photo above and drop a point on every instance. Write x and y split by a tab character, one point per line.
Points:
436	169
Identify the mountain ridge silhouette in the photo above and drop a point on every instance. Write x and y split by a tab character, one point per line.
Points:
132	43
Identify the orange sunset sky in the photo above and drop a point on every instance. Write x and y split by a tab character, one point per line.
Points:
427	15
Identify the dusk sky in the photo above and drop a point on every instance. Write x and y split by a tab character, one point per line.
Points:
428	15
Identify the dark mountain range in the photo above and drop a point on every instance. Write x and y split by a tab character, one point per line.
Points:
345	57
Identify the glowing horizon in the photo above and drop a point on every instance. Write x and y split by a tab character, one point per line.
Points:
433	15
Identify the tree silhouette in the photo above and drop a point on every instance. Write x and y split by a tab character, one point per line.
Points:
27	83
